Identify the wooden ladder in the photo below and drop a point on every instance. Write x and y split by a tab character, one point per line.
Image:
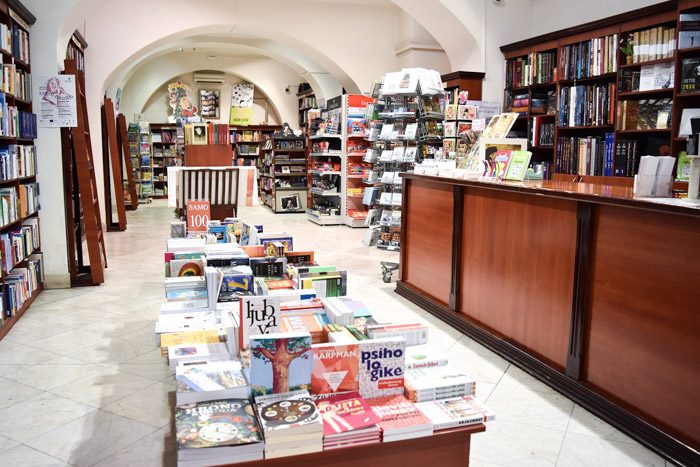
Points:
125	156
112	169
85	168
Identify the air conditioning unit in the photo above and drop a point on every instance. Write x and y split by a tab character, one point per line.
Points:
209	78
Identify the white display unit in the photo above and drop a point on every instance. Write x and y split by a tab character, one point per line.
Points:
319	179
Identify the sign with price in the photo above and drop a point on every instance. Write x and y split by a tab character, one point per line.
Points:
198	213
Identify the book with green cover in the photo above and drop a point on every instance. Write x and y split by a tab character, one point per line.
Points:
517	165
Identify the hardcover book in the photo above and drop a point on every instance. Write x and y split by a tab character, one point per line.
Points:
690	75
280	362
345	412
382	366
288	411
216	424
336	368
196	382
459	411
258	315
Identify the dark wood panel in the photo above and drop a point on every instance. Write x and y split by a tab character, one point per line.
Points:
643	329
466	81
518	256
208	155
426	245
448	448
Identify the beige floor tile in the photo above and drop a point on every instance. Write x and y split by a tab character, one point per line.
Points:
545	410
12	392
155	450
90	438
52	373
25	456
151	405
518	379
15	353
38	415
585	423
70	342
514	444
7	443
102	388
111	350
154	371
582	451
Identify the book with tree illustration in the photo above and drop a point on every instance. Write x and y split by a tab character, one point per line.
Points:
280	362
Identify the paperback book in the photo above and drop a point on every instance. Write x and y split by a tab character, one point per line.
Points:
400	418
454	412
280	362
336	368
214	380
382	366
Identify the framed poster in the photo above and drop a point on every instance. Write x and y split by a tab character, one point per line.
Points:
242	104
57	107
209	103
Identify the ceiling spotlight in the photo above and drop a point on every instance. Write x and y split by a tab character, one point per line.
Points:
180	49
211	57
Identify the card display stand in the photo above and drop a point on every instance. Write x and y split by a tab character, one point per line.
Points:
131	197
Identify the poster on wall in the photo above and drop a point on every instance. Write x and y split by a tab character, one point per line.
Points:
181	101
241	104
209	103
58	104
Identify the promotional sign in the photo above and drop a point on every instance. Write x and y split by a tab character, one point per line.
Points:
198	214
242	104
181	101
57	107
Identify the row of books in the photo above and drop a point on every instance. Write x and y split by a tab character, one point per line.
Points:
207	133
9	203
285	372
542	133
238	135
586	155
534	68
16	123
590	58
20	43
20	284
17	161
626	158
652	43
165	135
15	82
648	77
644	114
589	105
28	199
19	244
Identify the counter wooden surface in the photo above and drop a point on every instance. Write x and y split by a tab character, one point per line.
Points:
592	290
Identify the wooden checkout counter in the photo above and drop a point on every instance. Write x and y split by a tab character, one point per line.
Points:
585	287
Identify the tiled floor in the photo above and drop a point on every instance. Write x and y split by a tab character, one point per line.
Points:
82	383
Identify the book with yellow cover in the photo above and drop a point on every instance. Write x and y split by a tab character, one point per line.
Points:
208	336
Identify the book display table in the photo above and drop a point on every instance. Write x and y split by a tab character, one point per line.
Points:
586	287
447	448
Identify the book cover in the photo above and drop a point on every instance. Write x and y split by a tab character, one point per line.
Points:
311	323
424	356
258	315
215	424
690	75
399	415
209	376
288	410
517	165
345	412
336	368
459	411
186	267
208	336
382	365
280	362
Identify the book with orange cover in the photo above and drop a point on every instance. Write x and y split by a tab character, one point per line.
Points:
254	251
336	368
209	336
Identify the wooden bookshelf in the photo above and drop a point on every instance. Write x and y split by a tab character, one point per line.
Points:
283	176
306	101
663	16
20	149
167	141
245	137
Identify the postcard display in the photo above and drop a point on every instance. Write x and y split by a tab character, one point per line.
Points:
406	127
272	359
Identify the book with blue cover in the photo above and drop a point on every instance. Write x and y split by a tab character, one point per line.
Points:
280	362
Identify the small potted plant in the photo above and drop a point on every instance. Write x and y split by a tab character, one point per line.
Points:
627	48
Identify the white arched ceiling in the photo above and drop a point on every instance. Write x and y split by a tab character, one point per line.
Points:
264	73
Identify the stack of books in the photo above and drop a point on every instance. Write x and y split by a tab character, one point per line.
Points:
217	432
210	380
454	412
400	418
440	382
348	420
291	423
196	353
190	290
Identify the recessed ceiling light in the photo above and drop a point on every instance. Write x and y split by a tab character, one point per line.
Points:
180	49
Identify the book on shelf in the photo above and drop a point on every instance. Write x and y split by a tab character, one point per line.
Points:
690	75
217	432
657	76
688	30
400	418
585	155
348	420
455	412
652	43
587	105
291	423
590	58
644	114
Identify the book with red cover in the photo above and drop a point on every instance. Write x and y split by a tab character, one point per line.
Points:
336	368
400	418
301	307
345	412
279	284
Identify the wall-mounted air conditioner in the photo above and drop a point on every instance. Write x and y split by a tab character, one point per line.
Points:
209	78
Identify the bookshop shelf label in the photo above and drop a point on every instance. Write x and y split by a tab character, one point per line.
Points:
58	104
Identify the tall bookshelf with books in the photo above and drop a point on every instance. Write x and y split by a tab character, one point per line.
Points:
145	161
21	259
283	175
250	142
168	150
307	101
595	98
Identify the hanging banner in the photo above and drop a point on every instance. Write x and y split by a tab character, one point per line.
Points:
181	101
58	105
241	104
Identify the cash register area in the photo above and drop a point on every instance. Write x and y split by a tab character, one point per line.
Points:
83	384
